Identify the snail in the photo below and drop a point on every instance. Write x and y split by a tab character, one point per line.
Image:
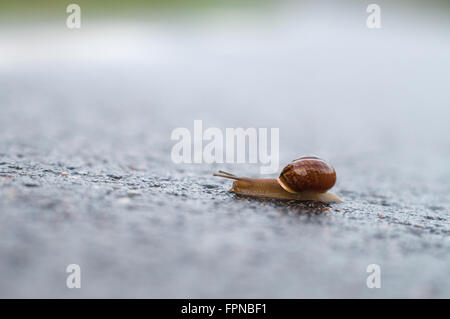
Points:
306	178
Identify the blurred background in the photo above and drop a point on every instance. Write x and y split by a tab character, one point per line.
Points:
99	104
241	63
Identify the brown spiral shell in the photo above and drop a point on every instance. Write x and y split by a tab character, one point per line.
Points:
307	173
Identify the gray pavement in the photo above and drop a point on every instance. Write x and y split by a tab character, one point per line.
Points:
86	175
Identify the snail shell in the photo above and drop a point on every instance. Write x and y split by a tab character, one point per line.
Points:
308	173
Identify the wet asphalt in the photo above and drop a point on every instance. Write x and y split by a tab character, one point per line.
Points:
86	175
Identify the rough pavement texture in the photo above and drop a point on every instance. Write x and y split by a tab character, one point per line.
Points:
86	175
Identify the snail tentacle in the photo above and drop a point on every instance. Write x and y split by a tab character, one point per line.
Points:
227	175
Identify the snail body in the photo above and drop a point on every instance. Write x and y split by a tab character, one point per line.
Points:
306	178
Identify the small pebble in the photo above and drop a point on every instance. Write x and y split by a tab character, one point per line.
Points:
133	193
31	184
116	177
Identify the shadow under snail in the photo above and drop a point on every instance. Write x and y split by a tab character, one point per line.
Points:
306	178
